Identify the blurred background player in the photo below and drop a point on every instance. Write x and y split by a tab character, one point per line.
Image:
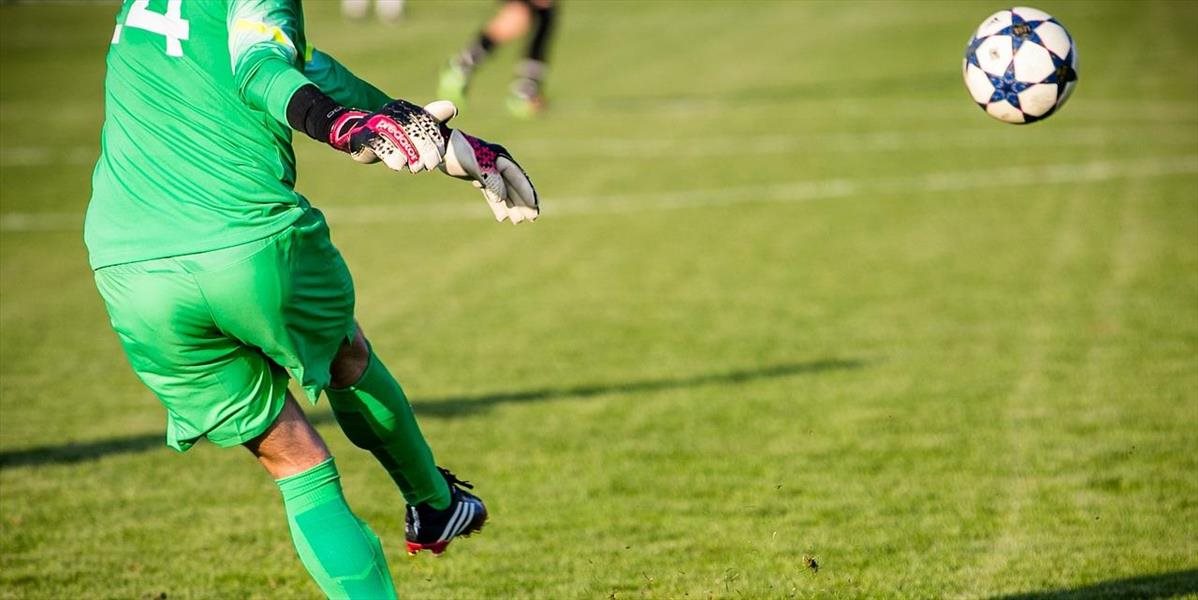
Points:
514	19
389	11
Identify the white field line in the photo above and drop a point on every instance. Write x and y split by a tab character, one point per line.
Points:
775	193
635	148
641	148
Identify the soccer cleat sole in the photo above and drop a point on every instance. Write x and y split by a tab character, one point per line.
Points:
437	548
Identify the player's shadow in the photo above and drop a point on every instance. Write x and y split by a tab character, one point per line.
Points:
1147	587
447	407
456	406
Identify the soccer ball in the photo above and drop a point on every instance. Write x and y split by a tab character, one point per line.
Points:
1020	66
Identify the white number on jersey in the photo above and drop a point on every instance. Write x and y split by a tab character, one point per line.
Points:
170	24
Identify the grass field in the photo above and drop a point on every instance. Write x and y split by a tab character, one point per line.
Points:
792	295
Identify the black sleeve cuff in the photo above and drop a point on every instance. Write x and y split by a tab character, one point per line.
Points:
313	113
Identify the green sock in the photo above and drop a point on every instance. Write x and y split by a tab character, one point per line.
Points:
340	552
375	415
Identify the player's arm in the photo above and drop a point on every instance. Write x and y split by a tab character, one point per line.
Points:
265	42
506	187
265	38
340	84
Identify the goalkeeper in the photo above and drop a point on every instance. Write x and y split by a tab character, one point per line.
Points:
221	281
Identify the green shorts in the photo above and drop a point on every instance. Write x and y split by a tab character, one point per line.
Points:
215	334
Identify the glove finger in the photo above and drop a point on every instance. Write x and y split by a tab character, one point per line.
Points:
386	150
441	110
513	213
513	208
530	214
519	186
388	140
494	203
436	156
493	183
430	156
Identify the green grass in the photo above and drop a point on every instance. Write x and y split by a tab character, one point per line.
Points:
792	294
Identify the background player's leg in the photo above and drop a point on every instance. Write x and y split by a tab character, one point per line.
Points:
527	98
355	9
512	21
389	11
340	552
545	16
374	413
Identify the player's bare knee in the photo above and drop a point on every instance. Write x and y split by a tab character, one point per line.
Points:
350	362
290	445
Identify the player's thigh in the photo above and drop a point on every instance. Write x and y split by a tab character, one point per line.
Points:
293	298
210	384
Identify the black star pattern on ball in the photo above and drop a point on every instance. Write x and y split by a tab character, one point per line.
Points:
1062	70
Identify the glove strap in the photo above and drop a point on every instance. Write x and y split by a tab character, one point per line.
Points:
344	126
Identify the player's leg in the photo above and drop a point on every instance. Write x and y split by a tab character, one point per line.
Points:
215	386
339	550
294	299
355	9
389	11
527	97
511	21
375	415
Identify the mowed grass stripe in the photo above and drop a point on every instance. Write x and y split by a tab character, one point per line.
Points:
1026	403
749	144
788	192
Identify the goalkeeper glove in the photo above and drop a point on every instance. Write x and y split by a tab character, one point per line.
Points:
490	167
400	134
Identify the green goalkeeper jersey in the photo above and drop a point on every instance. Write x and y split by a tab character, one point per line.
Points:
196	151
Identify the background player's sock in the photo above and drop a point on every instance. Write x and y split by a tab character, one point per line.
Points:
474	54
375	415
526	99
339	551
529	74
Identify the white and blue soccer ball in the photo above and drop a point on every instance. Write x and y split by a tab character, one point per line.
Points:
1021	65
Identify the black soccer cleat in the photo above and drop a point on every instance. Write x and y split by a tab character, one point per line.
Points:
430	529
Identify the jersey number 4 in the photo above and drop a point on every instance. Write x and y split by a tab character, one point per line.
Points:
168	24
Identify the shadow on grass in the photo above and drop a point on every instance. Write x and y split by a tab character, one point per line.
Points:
463	405
436	408
1148	587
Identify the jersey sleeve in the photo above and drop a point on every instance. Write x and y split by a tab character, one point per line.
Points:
266	42
340	84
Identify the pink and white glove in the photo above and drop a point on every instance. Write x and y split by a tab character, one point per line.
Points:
401	134
490	167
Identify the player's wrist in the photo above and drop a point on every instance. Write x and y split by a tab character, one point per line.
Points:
322	118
